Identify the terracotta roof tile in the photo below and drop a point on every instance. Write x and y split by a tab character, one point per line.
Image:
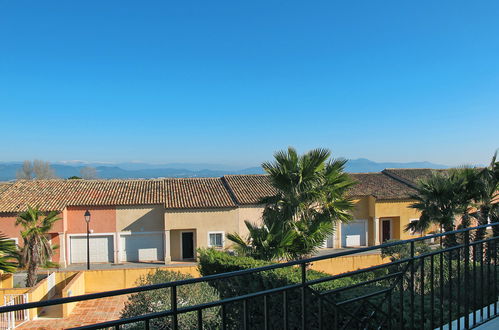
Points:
380	186
196	193
410	176
249	189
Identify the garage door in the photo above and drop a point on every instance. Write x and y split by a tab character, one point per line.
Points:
142	247
354	233
101	249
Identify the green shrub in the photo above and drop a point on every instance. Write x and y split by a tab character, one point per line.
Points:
159	300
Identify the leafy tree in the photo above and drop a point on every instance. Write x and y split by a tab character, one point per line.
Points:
74	177
37	249
160	300
8	254
25	172
311	198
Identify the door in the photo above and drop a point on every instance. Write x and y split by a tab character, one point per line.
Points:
101	249
386	229
142	247
188	245
354	233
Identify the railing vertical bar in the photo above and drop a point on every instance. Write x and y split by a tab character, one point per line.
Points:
401	294
412	284
488	279
147	324
320	313
173	295
390	310
481	281
450	289
441	290
474	285
200	319
495	275
336	318
224	317
466	279
245	314
422	292
265	313
303	298
117	327
458	287
285	309
432	288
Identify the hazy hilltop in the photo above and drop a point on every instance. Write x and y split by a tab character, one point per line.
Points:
187	170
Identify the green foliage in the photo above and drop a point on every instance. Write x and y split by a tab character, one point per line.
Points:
8	254
36	250
160	300
403	251
311	198
74	177
215	262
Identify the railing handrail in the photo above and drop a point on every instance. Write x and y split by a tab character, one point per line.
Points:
207	278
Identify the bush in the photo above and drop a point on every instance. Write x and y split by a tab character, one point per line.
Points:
159	300
215	262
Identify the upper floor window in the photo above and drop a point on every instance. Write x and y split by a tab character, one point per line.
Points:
216	239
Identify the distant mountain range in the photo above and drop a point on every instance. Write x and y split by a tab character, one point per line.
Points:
186	170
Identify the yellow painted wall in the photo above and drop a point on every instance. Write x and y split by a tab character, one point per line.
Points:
115	279
139	218
349	263
37	293
6	281
251	213
75	287
400	212
203	221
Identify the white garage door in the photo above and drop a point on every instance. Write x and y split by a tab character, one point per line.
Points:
142	247
354	233
101	249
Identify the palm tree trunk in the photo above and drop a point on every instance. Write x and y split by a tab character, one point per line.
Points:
32	266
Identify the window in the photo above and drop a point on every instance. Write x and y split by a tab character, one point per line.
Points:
216	239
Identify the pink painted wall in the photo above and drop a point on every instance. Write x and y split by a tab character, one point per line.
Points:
103	219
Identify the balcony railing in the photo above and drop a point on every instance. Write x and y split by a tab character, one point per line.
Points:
443	280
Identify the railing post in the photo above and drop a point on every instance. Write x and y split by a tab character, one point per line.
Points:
413	270
466	278
174	306
303	300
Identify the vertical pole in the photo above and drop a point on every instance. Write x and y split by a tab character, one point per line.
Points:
413	270
466	278
173	296
303	302
88	247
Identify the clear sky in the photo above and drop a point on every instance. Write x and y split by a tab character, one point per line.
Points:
233	81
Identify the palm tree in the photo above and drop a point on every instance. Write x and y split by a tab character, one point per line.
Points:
310	199
8	254
37	249
486	196
440	199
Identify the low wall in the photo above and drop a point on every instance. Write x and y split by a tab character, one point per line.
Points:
345	264
75	287
37	293
115	279
7	291
6	281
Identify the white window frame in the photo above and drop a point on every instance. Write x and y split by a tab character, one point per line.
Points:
223	239
413	232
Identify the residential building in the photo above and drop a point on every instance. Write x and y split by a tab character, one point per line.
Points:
168	219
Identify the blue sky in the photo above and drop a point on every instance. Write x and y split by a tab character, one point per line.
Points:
231	82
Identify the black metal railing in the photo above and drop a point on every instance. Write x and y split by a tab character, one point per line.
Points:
447	279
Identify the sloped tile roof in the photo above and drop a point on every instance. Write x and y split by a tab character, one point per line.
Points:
194	193
380	186
249	189
410	176
4	186
181	193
